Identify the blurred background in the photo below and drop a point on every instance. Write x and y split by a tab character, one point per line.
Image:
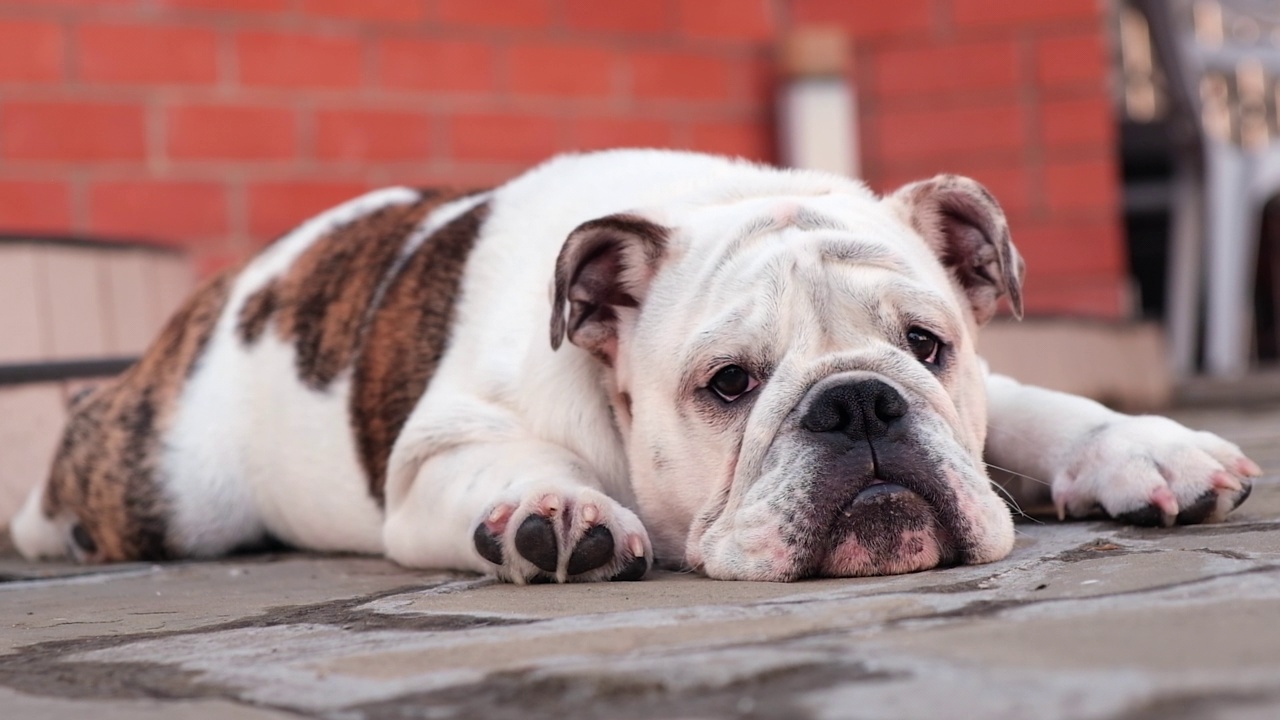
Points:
147	143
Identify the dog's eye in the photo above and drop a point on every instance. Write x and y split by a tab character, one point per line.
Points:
83	539
732	382
924	345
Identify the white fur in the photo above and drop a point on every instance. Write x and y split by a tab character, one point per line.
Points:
253	450
508	423
36	536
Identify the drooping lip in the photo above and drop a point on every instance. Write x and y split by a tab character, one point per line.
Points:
931	491
874	489
874	530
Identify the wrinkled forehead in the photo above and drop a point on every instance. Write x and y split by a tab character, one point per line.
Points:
830	270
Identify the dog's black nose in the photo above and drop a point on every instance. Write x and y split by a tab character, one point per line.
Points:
860	409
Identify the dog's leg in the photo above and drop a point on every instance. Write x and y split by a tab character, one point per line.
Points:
1144	469
528	511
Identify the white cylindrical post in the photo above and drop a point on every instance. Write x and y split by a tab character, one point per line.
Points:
817	107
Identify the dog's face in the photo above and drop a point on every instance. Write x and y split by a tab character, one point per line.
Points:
795	375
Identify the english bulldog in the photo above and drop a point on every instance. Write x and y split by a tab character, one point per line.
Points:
615	359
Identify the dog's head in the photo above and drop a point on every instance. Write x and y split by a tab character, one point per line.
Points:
794	374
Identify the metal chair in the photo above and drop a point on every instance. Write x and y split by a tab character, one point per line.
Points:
1222	62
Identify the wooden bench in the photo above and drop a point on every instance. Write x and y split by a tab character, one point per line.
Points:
72	312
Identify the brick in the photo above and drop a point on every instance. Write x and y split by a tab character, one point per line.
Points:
231	132
282	59
1088	295
758	77
158	210
442	66
1071	247
503	137
396	11
276	207
74	4
564	70
944	132
947	69
30	51
599	133
147	54
993	13
679	75
748	20
1078	122
525	14
1073	60
72	131
237	6
38	206
867	19
372	135
1082	185
633	16
749	140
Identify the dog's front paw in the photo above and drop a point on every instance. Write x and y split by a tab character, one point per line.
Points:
563	534
1149	470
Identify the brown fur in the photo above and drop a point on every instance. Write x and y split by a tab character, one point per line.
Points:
323	302
407	336
257	311
104	471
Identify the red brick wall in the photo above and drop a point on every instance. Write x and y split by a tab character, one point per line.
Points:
1015	94
219	123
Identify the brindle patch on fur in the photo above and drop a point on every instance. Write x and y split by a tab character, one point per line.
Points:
406	337
324	302
256	313
104	471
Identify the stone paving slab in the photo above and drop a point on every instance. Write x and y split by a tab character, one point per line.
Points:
1083	620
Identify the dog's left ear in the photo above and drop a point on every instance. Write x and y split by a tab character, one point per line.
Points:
605	265
967	230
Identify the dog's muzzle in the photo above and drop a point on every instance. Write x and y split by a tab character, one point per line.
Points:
881	505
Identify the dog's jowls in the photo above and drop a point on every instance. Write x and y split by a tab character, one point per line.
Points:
756	373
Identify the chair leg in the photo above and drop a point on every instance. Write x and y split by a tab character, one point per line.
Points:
1227	252
1183	281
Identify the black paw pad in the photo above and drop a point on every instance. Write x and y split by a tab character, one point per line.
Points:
487	544
593	550
1149	516
536	542
1244	494
633	571
1196	512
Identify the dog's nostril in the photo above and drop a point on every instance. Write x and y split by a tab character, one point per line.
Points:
860	409
890	405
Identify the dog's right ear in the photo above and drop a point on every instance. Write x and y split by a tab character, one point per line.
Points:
605	265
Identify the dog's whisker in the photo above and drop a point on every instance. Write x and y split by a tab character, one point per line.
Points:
1015	505
1015	473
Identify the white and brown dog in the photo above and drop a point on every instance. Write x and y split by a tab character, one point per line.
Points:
770	375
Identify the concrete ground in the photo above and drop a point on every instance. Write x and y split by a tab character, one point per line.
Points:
1084	620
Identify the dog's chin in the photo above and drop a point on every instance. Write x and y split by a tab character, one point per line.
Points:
885	530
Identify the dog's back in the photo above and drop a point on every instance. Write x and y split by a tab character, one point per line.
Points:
246	397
